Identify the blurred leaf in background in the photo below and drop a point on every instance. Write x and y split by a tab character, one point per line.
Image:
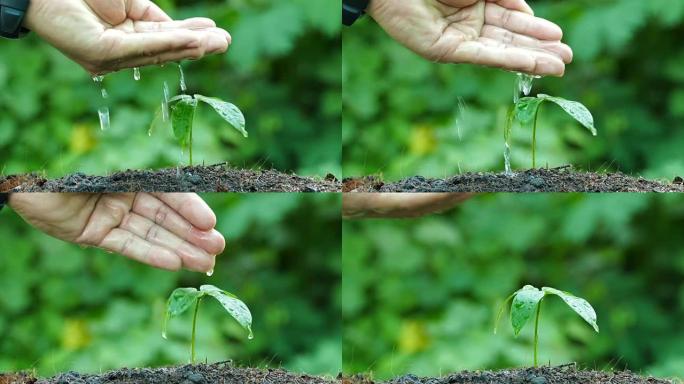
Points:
66	308
401	112
282	70
420	296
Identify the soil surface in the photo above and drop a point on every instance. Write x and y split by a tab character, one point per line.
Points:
221	373
545	375
563	179
214	178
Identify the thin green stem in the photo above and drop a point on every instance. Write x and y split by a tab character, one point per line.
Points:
194	328
534	138
536	334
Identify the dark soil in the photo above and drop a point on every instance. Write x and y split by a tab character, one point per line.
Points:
221	373
563	179
214	178
546	375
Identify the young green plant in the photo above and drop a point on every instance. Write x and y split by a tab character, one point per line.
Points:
527	303
182	299
526	113
183	109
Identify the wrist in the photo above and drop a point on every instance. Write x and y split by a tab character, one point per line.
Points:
352	10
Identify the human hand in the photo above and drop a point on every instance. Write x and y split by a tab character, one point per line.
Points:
398	205
167	231
107	35
495	33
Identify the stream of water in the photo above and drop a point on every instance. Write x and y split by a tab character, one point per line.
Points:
523	85
103	111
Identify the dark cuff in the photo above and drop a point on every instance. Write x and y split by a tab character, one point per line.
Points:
352	10
4	198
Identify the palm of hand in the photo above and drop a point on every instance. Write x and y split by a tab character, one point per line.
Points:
166	231
483	32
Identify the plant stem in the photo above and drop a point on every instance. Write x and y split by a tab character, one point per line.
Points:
534	138
536	333
194	328
190	147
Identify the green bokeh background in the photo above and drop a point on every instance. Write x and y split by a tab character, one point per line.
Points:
66	308
420	296
282	70
401	117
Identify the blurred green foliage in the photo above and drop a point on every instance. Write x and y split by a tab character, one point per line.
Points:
421	295
282	70
401	111
66	308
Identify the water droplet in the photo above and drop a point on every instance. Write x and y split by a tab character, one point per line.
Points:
165	102
136	73
103	113
183	86
251	334
99	80
210	273
164	335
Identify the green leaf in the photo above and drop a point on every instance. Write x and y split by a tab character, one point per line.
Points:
232	304
578	111
181	300
182	114
524	306
229	112
526	109
579	305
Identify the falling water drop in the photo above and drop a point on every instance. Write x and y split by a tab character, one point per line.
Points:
164	334
459	116
165	102
99	80
251	334
183	86
136	73
210	273
103	113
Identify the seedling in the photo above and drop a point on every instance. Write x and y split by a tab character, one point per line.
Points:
526	112
182	299
183	108
527	302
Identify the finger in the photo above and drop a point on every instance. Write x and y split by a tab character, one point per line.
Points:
111	11
139	49
146	10
515	39
134	247
162	214
197	23
522	23
516	5
192	207
498	55
194	258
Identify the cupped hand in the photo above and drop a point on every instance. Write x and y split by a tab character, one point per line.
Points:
108	35
496	33
398	205
167	231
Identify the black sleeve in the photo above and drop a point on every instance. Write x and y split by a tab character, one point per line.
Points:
3	200
352	10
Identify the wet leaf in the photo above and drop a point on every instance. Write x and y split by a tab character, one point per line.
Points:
526	109
232	304
181	300
578	111
229	112
579	305
524	306
182	114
